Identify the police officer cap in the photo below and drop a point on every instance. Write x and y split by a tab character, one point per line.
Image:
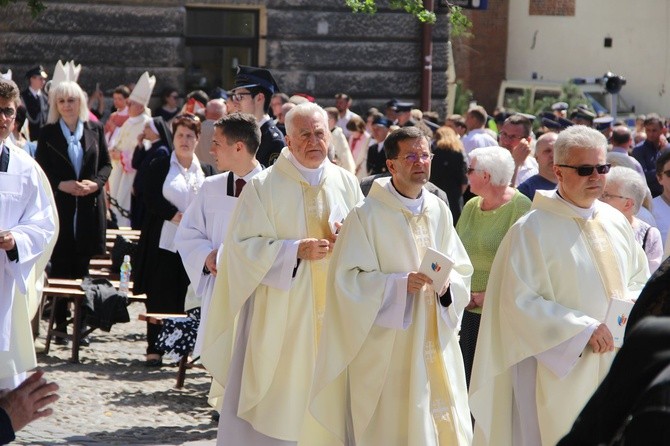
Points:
559	106
551	124
583	114
249	77
603	123
404	106
565	123
393	103
381	120
36	71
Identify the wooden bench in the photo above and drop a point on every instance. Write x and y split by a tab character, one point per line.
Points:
157	319
71	290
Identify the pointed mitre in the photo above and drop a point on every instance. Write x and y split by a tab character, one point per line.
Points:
142	91
7	76
60	75
73	71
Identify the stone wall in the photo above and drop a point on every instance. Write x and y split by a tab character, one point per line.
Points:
320	48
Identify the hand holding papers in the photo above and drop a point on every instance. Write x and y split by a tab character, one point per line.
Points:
437	266
617	318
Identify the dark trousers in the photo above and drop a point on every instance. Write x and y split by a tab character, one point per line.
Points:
166	291
468	341
74	267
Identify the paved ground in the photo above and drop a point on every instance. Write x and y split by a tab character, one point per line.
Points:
110	398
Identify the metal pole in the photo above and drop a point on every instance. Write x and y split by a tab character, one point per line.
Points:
427	59
614	101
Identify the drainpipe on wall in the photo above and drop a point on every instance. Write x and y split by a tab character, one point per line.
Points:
427	59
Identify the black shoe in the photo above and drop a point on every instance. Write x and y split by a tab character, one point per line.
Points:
215	416
60	341
85	342
153	362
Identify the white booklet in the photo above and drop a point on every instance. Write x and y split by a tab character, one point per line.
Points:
617	318
437	266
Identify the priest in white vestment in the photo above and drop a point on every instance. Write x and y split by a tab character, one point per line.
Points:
122	145
199	238
27	228
267	306
543	348
389	368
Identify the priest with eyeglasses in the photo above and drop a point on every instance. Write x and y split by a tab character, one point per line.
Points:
543	346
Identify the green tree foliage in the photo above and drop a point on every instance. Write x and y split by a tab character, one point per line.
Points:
460	24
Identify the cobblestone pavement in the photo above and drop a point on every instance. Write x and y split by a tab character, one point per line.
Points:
110	398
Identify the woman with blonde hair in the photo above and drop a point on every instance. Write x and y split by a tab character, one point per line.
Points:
73	153
448	168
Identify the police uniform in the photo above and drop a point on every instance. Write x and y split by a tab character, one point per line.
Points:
37	107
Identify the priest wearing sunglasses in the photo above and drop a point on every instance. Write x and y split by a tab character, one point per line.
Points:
543	346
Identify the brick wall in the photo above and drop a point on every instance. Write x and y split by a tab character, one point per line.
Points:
552	7
480	60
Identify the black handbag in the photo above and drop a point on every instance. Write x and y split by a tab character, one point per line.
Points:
122	247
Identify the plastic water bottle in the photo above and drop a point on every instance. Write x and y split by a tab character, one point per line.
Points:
124	282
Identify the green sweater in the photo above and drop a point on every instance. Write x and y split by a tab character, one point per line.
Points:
482	231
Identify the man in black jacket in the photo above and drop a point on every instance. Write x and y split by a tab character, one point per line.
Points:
252	94
36	102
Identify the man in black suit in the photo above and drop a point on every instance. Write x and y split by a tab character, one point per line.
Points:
36	102
252	94
376	161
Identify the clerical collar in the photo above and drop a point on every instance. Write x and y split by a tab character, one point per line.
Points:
313	176
251	174
414	205
586	214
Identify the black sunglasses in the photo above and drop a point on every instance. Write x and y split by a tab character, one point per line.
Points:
9	112
585	171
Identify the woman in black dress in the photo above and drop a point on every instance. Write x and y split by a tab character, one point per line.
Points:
448	168
170	184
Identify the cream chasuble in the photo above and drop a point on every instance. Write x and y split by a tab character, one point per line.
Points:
280	353
552	277
392	386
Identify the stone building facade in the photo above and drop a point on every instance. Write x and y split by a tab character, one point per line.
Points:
314	47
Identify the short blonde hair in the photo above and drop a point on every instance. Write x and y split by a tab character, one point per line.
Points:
66	89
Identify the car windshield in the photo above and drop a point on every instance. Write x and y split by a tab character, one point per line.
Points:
600	101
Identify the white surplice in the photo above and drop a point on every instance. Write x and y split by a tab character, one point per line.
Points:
122	176
265	309
27	209
203	229
533	371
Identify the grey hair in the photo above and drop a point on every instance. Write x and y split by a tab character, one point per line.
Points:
496	161
577	136
64	90
631	185
306	109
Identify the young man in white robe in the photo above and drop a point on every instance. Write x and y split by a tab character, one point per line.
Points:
122	146
266	309
199	238
543	348
389	368
28	224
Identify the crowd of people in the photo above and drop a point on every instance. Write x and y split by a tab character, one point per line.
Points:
296	238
